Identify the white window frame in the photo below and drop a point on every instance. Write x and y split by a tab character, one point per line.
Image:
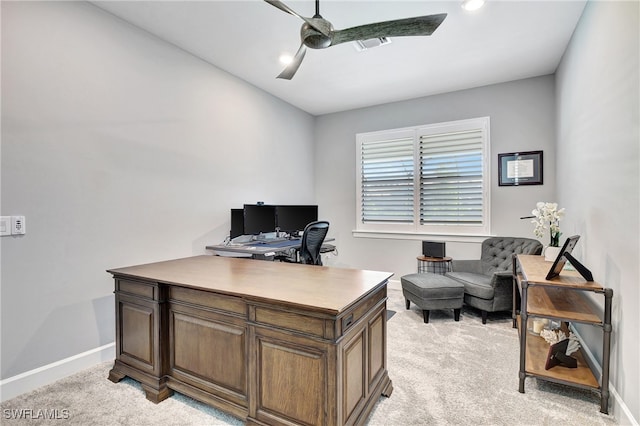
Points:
415	230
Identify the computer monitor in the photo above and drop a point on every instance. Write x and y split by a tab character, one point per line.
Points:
259	218
237	222
294	218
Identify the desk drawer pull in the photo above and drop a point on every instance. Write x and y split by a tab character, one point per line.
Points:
346	323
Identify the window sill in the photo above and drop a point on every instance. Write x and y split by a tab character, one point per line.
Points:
395	235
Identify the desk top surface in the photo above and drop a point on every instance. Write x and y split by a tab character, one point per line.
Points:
323	288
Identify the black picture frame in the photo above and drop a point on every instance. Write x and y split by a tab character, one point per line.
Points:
561	259
563	256
557	356
520	168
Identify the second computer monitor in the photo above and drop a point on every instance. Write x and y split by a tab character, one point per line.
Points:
294	218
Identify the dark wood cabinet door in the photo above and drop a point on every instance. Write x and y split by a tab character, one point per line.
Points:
289	378
209	352
137	334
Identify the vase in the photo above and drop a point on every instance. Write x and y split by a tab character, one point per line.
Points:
551	253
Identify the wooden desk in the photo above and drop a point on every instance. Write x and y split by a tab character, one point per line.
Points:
268	342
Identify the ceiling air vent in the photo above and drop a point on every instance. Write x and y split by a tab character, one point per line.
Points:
361	45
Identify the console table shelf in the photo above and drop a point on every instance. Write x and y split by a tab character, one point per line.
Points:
563	304
564	298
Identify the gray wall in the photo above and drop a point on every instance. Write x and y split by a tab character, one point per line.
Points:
598	179
522	117
120	149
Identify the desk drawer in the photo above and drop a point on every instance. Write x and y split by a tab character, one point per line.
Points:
137	288
207	299
290	320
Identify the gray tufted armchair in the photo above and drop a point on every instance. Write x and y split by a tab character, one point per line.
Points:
488	283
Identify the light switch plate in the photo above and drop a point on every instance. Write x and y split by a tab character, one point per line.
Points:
18	225
5	225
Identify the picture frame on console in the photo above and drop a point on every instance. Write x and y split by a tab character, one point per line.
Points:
565	255
520	168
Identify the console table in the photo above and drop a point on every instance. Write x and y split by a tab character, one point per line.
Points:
564	299
268	342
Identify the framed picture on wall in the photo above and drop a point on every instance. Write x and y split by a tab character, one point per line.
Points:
520	168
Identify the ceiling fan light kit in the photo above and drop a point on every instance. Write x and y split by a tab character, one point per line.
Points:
471	5
285	59
318	33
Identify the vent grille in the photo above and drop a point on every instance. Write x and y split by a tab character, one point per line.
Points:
362	45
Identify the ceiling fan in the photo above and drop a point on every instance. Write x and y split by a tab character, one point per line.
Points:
318	33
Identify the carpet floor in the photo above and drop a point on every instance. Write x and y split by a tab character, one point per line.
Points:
443	373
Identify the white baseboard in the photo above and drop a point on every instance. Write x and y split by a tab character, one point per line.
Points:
41	376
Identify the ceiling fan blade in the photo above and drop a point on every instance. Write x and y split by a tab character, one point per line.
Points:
283	7
292	68
418	26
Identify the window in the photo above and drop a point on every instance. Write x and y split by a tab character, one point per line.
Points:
431	179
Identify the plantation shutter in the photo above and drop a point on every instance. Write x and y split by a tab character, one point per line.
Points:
451	181
387	173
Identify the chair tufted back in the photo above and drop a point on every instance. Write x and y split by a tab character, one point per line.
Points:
497	251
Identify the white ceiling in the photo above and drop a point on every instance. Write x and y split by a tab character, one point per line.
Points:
503	41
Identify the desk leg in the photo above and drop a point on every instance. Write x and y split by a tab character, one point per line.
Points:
155	389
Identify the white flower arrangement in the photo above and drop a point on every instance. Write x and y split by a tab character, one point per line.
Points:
548	216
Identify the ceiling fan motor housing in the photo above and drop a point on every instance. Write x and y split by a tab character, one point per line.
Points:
313	38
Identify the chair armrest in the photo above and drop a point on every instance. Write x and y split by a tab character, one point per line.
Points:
502	282
473	266
500	277
508	274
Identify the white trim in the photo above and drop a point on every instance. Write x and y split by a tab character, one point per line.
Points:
41	376
396	235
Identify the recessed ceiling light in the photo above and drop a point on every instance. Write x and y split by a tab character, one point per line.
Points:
472	4
286	59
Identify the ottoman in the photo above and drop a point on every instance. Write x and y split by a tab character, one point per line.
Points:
433	291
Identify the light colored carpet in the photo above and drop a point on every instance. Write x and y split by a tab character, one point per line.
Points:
443	373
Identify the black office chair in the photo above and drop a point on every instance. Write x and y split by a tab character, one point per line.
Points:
312	238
